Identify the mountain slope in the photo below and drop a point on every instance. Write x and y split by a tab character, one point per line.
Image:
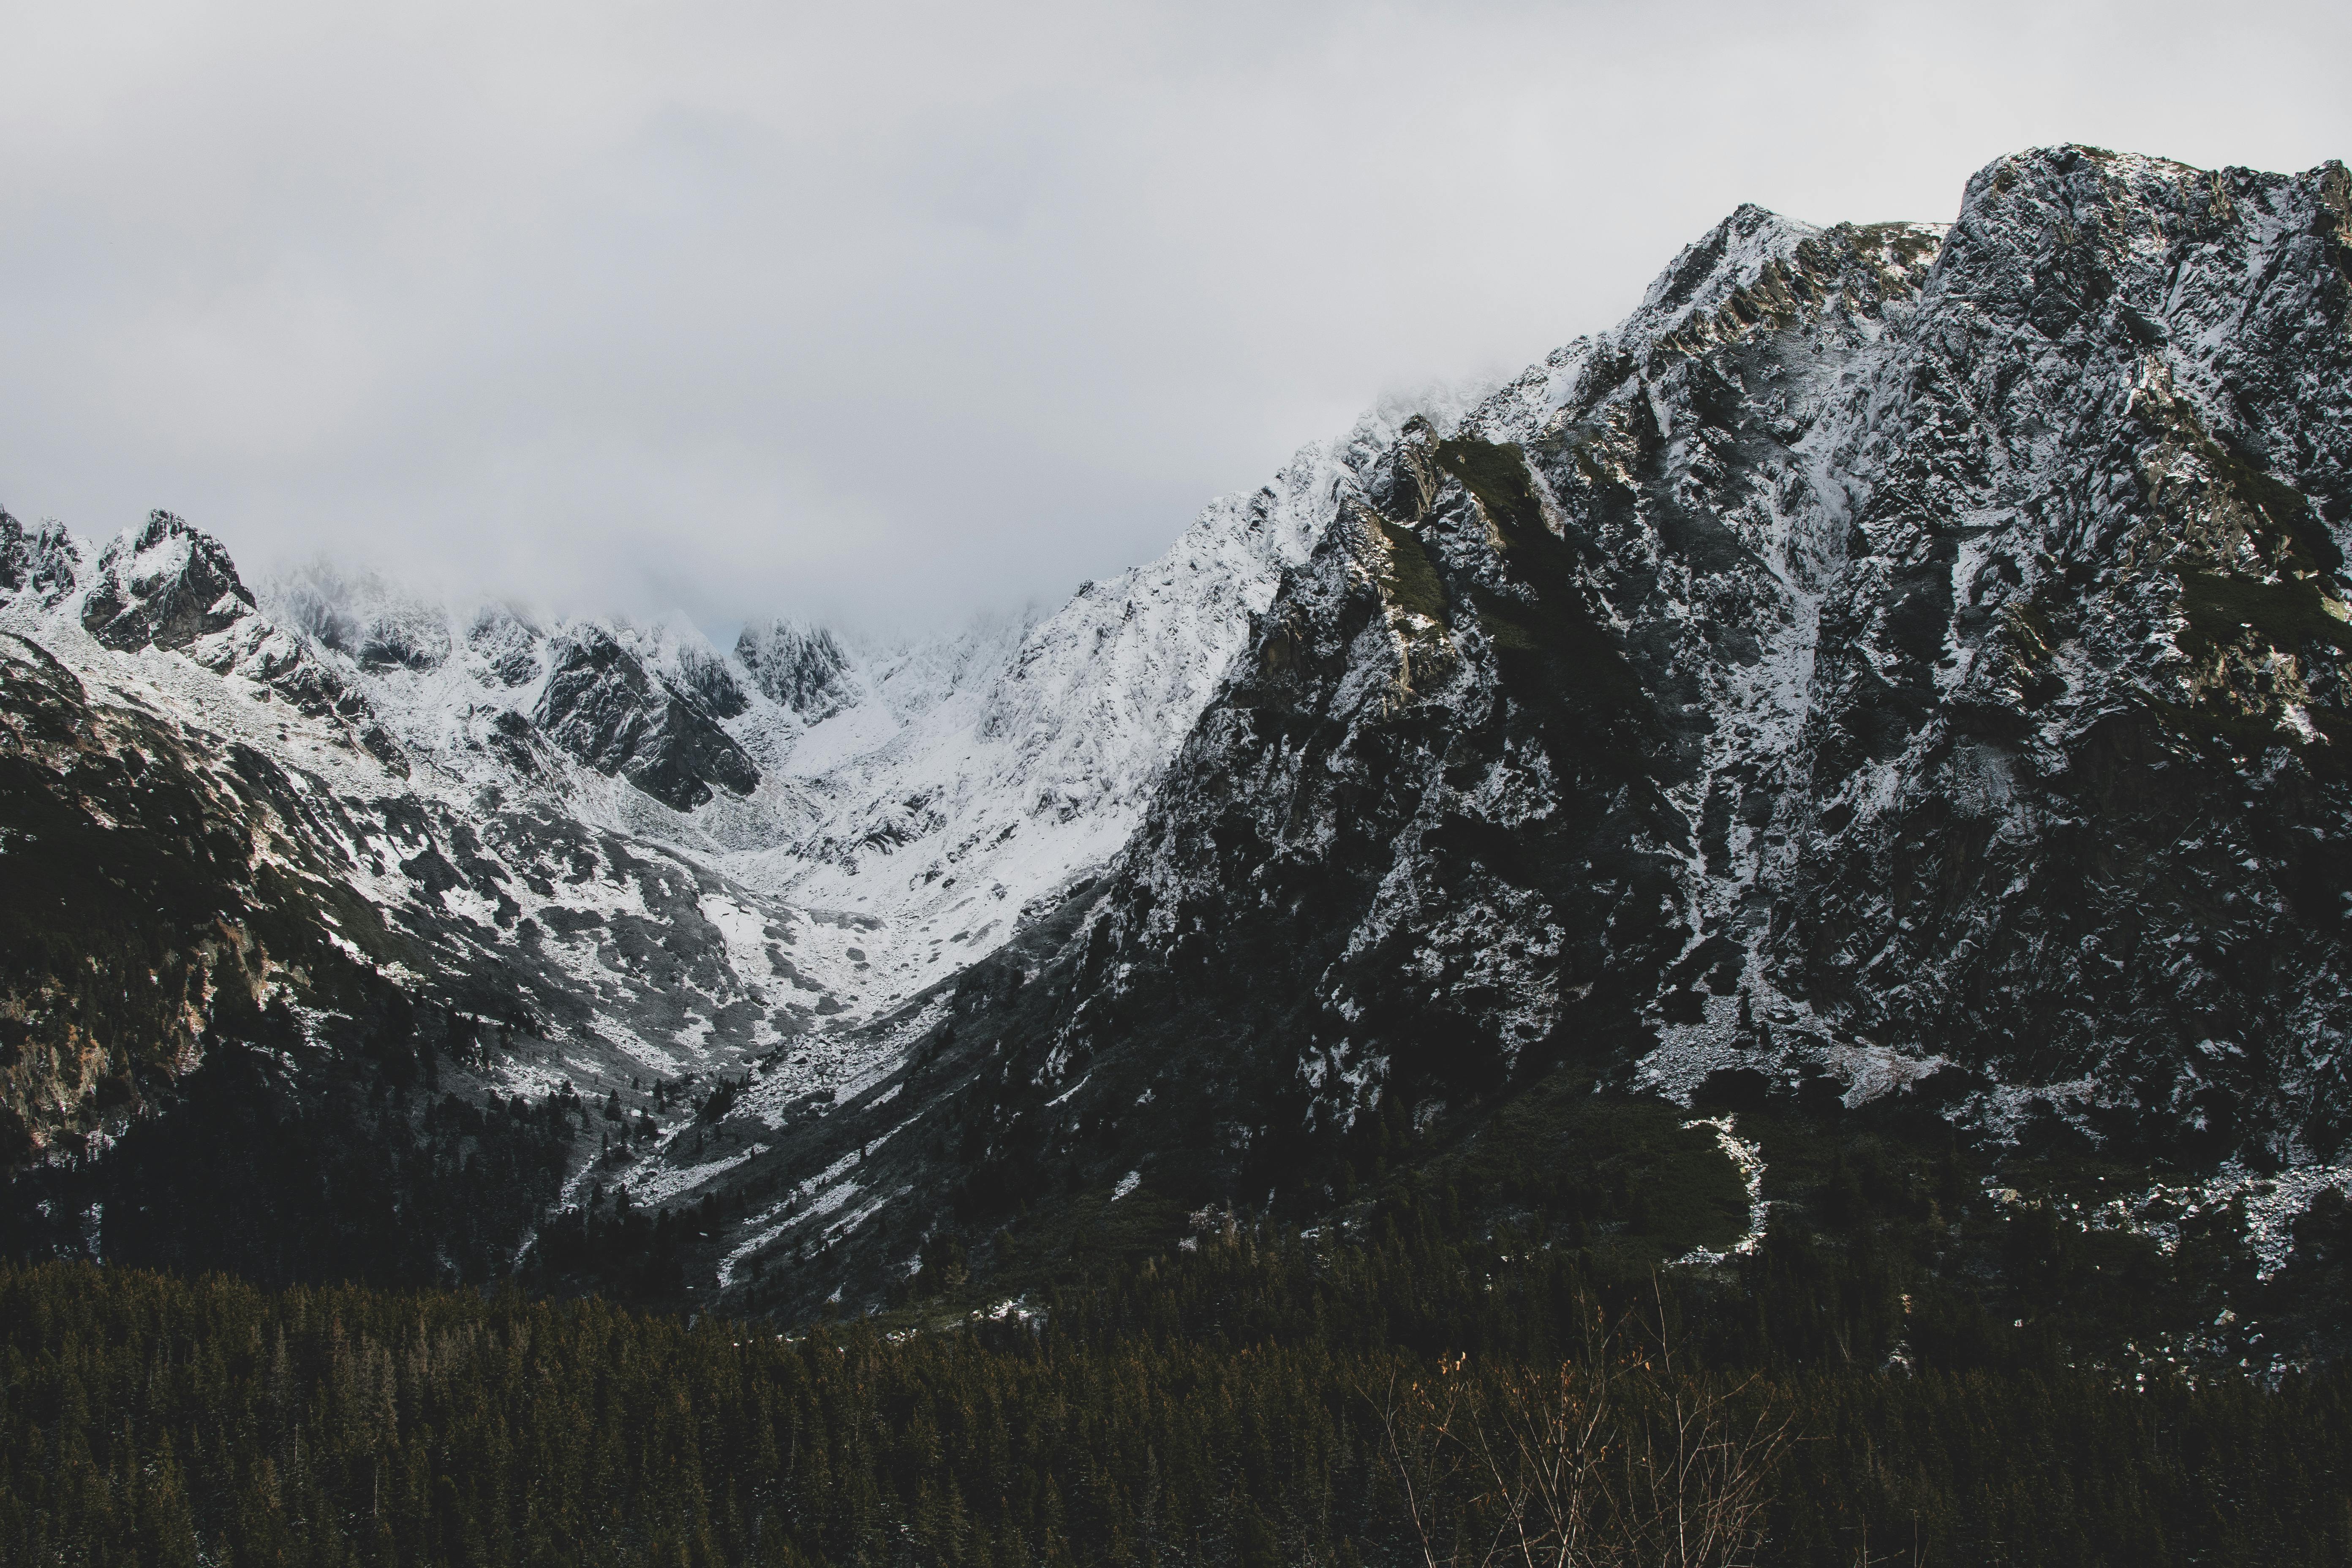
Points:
938	791
1920	665
1889	694
1900	671
561	846
249	931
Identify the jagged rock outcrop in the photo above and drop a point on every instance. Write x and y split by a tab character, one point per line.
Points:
703	676
163	585
803	667
2070	804
38	565
507	645
601	705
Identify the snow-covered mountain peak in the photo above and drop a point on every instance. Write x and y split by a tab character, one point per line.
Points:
1732	256
377	623
1753	272
43	560
803	667
165	583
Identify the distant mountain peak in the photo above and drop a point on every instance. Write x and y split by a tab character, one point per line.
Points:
41	562
802	667
163	585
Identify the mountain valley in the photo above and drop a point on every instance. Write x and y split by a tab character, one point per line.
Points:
1850	758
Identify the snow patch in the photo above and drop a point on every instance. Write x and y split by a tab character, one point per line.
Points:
1748	1155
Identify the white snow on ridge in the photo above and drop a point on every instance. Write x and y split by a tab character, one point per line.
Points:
1030	766
942	788
941	791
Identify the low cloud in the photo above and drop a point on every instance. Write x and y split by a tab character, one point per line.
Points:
894	313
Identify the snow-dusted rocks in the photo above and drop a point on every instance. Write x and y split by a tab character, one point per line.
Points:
2067	800
472	865
802	667
37	565
966	783
163	585
600	704
1898	661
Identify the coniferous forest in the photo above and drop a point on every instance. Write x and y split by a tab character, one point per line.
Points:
1260	1398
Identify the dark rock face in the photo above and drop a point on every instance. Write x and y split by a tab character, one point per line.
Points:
1893	655
202	1065
707	680
154	916
164	586
2070	804
604	707
39	562
806	669
411	647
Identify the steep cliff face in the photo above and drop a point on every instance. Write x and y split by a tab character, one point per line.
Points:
126	920
803	667
2070	807
163	585
1445	825
1899	662
602	705
38	563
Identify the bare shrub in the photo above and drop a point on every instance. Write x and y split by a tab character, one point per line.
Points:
1618	1459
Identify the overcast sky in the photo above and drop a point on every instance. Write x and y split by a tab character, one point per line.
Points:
889	313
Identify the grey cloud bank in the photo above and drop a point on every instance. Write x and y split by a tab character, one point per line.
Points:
743	309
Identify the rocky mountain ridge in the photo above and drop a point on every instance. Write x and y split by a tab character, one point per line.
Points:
1842	584
1900	670
593	841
